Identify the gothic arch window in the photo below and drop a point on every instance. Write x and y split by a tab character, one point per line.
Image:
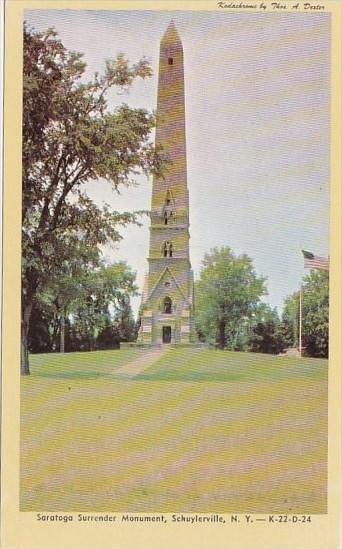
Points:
167	249
169	217
167	305
169	209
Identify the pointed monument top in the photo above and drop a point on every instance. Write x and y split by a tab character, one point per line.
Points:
171	35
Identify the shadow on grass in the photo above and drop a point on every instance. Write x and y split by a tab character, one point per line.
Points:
68	375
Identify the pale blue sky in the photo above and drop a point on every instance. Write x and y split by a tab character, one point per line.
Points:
257	117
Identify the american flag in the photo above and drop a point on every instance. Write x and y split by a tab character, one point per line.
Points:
312	261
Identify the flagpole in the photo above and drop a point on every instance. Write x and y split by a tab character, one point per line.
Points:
300	319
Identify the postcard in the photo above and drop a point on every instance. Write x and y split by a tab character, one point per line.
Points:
171	323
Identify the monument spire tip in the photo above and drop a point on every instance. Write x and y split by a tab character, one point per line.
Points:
171	34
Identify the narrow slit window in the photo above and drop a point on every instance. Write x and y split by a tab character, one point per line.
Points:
170	60
167	249
167	305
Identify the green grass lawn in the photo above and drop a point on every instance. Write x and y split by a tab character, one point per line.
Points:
81	365
198	431
207	365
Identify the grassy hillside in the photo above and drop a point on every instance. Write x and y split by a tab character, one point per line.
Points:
81	365
198	431
208	365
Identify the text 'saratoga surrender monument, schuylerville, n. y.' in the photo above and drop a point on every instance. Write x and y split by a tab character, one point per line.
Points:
167	302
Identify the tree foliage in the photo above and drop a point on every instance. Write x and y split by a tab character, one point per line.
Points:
108	295
226	294
95	307
71	137
315	326
266	335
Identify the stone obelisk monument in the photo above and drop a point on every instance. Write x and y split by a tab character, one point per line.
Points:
167	303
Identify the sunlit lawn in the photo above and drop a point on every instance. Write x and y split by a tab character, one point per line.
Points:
81	365
198	431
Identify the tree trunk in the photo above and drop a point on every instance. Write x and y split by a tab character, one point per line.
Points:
62	345
24	360
221	339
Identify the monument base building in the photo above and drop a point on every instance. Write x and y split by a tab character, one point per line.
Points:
167	302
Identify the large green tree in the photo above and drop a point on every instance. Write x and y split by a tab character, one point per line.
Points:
67	286
104	306
226	294
315	324
266	334
71	137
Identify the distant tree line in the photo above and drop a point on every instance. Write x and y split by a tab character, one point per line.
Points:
230	313
87	312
